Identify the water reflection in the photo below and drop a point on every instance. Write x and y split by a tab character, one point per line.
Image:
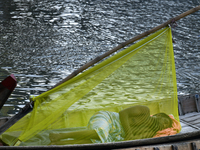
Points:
6	7
42	42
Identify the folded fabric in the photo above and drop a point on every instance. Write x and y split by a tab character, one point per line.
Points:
176	128
107	125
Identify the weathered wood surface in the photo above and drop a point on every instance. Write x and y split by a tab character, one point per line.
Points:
189	103
189	145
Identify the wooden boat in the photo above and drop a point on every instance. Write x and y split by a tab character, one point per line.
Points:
188	139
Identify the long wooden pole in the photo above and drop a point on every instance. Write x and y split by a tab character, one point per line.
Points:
97	59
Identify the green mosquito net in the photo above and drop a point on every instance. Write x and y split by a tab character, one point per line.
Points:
111	102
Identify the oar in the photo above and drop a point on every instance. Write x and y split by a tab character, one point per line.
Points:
28	106
6	88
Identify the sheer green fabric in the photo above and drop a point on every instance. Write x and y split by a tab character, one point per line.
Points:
142	74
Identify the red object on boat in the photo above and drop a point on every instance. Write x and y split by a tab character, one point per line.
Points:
10	82
6	88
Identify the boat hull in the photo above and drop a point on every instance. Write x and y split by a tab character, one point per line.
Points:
189	141
186	140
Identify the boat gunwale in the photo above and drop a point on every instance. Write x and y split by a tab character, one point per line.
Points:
181	137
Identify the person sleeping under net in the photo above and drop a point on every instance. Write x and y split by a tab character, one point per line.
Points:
104	126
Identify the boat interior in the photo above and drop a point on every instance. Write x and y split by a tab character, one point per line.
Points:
189	115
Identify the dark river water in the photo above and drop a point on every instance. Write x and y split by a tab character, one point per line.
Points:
41	42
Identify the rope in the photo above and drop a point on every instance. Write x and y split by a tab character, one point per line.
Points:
173	24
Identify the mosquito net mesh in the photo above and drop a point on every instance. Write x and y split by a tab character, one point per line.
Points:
108	102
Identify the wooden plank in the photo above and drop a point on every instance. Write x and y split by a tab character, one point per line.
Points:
184	146
195	122
187	145
198	125
177	146
3	120
188	115
196	97
197	144
28	108
188	104
189	124
138	148
159	147
180	109
192	118
165	147
188	129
